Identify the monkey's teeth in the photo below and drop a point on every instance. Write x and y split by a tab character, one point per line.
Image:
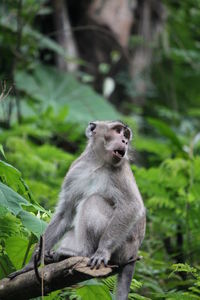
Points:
119	153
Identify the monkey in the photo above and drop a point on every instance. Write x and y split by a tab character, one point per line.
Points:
100	213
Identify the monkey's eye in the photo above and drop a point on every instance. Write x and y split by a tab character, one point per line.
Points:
92	126
118	129
127	133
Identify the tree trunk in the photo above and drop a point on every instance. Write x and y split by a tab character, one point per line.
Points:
116	15
150	23
65	37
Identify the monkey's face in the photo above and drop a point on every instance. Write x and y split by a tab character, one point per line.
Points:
109	140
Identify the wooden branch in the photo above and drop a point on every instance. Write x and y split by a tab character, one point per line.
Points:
56	276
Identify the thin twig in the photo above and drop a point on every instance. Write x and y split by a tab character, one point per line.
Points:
4	94
42	272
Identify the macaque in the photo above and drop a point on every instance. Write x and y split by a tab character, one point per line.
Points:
100	213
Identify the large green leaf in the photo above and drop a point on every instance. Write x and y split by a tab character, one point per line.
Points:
13	202
12	177
51	87
16	247
32	223
166	131
92	291
6	266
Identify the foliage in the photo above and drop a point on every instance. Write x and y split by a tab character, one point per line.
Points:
177	64
42	123
17	237
83	103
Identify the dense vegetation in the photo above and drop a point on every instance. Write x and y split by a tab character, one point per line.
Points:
42	121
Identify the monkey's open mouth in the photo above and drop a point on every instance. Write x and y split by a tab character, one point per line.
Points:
119	153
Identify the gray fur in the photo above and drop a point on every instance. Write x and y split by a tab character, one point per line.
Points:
100	213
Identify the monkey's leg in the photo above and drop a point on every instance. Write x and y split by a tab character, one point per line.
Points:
68	247
56	256
124	281
92	219
27	268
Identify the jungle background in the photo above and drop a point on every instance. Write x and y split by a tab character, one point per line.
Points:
66	63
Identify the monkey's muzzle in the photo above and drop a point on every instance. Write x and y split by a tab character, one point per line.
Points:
119	153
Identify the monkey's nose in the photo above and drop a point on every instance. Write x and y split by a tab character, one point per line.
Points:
123	141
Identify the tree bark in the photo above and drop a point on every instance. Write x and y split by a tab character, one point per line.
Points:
116	15
55	276
151	19
65	37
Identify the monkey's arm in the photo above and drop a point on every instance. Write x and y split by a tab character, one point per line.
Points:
116	232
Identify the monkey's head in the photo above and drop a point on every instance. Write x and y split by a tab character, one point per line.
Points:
109	140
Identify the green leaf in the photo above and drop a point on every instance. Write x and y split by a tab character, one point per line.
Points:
13	202
63	90
16	247
10	225
32	223
12	177
94	291
166	131
6	266
184	268
138	297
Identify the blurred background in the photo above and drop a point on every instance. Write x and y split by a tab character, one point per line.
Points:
64	63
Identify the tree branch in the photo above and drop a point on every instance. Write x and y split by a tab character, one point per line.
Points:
56	276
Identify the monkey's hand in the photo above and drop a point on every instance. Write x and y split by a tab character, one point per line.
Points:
99	257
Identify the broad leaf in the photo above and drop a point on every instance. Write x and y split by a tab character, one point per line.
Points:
6	266
12	177
32	223
16	247
61	90
13	202
166	131
93	291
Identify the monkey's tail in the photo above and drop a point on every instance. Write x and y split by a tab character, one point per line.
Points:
124	280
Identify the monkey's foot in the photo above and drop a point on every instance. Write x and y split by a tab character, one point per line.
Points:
55	256
50	257
27	268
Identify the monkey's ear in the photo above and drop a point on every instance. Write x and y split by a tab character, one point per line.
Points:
131	134
89	132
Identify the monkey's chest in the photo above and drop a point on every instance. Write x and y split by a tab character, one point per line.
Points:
94	183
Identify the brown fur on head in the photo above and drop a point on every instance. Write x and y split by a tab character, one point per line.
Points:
109	140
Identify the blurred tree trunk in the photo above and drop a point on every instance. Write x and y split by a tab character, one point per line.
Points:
119	19
65	37
99	32
116	15
151	17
